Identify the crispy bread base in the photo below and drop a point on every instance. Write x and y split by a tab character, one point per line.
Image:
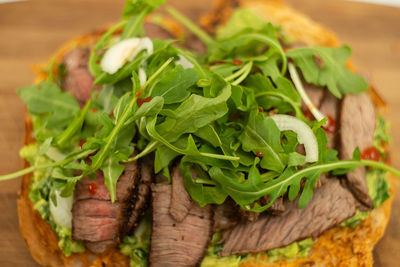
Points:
336	247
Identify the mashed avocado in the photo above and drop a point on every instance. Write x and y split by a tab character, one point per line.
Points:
39	194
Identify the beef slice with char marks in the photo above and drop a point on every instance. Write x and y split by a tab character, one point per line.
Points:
357	128
78	79
141	197
97	221
177	244
180	201
331	204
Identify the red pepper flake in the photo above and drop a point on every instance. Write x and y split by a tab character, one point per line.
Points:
237	62
81	143
141	101
272	112
259	154
331	125
92	188
371	153
139	93
260	110
94	110
308	114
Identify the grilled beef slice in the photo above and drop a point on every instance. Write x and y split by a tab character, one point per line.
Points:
357	127
330	205
95	219
180	200
225	216
141	197
177	244
78	79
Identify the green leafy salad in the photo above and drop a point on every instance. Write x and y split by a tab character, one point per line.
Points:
233	115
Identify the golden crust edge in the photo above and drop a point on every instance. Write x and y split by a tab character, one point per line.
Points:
356	245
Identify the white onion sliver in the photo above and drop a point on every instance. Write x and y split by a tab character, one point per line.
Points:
142	76
299	87
62	212
304	134
126	50
184	62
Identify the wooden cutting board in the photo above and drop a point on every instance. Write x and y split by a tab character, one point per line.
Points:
31	31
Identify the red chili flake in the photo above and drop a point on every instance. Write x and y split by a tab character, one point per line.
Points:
139	93
371	153
259	154
141	101
308	114
272	112
112	113
260	110
331	126
237	62
92	188
81	143
94	110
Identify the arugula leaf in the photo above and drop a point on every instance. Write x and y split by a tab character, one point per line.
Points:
173	85
46	98
261	135
195	112
202	194
112	170
333	72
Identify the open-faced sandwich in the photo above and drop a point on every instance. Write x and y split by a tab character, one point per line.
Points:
248	142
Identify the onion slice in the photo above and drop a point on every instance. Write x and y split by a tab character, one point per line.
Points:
299	87
304	133
62	212
126	50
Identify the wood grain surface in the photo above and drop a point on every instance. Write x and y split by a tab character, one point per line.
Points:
31	31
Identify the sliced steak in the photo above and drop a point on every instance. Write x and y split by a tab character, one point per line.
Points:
78	79
142	196
357	127
174	243
330	108
226	216
97	221
180	201
330	205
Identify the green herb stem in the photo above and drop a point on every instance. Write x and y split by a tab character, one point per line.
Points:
202	35
296	107
245	74
299	87
380	165
75	126
239	72
24	171
155	74
45	166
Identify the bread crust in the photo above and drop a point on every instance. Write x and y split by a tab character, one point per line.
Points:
336	247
